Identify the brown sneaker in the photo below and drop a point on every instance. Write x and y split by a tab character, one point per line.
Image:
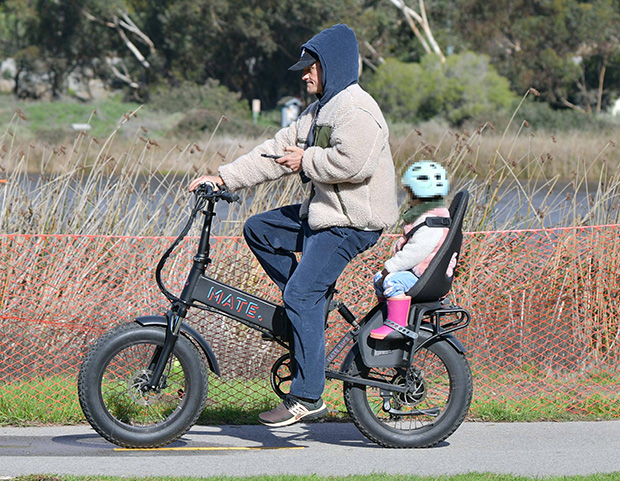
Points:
291	410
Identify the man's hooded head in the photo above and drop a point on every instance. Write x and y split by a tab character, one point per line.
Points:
337	50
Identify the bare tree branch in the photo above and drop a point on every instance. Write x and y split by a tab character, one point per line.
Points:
130	26
122	76
97	20
572	105
133	28
411	16
145	63
371	65
429	34
372	50
601	82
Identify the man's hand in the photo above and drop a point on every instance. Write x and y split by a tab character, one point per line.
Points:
293	159
213	179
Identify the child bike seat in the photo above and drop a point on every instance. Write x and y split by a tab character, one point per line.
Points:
434	284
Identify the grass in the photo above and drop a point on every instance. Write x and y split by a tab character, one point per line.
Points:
543	408
313	477
46	401
51	121
54	401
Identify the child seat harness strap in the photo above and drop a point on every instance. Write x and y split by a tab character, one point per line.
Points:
430	222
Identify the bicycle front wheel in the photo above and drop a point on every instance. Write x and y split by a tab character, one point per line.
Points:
438	399
113	394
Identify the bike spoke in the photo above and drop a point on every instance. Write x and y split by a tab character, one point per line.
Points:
422	404
123	391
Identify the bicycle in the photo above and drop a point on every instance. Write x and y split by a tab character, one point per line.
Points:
143	384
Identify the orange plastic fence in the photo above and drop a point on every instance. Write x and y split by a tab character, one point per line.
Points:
543	338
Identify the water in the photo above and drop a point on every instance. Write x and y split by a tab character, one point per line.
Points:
167	204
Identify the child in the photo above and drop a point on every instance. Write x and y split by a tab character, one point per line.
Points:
427	185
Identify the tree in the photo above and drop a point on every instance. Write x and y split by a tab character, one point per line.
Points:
247	46
49	41
560	47
465	86
17	19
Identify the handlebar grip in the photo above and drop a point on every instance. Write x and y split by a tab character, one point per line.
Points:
230	197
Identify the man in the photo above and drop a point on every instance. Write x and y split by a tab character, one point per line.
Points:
340	145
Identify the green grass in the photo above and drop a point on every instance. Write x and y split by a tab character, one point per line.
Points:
528	394
251	398
39	401
54	401
51	121
312	477
544	407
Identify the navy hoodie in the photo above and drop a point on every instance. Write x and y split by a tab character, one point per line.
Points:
337	50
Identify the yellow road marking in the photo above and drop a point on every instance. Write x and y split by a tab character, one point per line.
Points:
220	448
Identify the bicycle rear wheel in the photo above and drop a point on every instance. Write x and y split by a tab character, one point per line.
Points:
113	394
435	406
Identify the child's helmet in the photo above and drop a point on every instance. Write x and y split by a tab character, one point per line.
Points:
426	179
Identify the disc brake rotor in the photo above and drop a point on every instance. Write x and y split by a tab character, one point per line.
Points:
137	390
416	391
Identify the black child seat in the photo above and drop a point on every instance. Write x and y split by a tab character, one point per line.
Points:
434	284
428	312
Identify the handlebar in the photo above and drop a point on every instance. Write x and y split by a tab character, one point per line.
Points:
214	192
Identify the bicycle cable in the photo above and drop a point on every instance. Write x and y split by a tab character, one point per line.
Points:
199	204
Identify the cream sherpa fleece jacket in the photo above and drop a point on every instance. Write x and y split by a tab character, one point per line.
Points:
354	180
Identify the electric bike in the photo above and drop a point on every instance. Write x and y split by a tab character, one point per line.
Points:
143	384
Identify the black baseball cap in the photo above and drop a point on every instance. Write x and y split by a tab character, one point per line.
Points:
307	58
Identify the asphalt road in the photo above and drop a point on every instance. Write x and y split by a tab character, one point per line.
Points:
528	449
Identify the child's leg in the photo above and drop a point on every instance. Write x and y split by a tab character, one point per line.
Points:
378	285
394	287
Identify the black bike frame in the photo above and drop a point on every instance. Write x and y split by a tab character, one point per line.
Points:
254	312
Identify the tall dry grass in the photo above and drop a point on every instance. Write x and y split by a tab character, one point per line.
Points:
518	177
90	186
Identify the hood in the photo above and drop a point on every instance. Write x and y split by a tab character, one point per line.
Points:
337	50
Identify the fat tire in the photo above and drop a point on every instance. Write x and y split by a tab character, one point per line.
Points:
125	435
452	416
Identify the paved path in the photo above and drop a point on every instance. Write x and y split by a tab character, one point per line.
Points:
529	449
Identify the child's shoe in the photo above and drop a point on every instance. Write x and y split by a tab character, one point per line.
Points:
398	312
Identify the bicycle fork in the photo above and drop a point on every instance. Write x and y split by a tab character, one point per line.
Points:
162	354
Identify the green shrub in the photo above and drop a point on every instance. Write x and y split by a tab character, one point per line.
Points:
211	96
199	121
464	87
